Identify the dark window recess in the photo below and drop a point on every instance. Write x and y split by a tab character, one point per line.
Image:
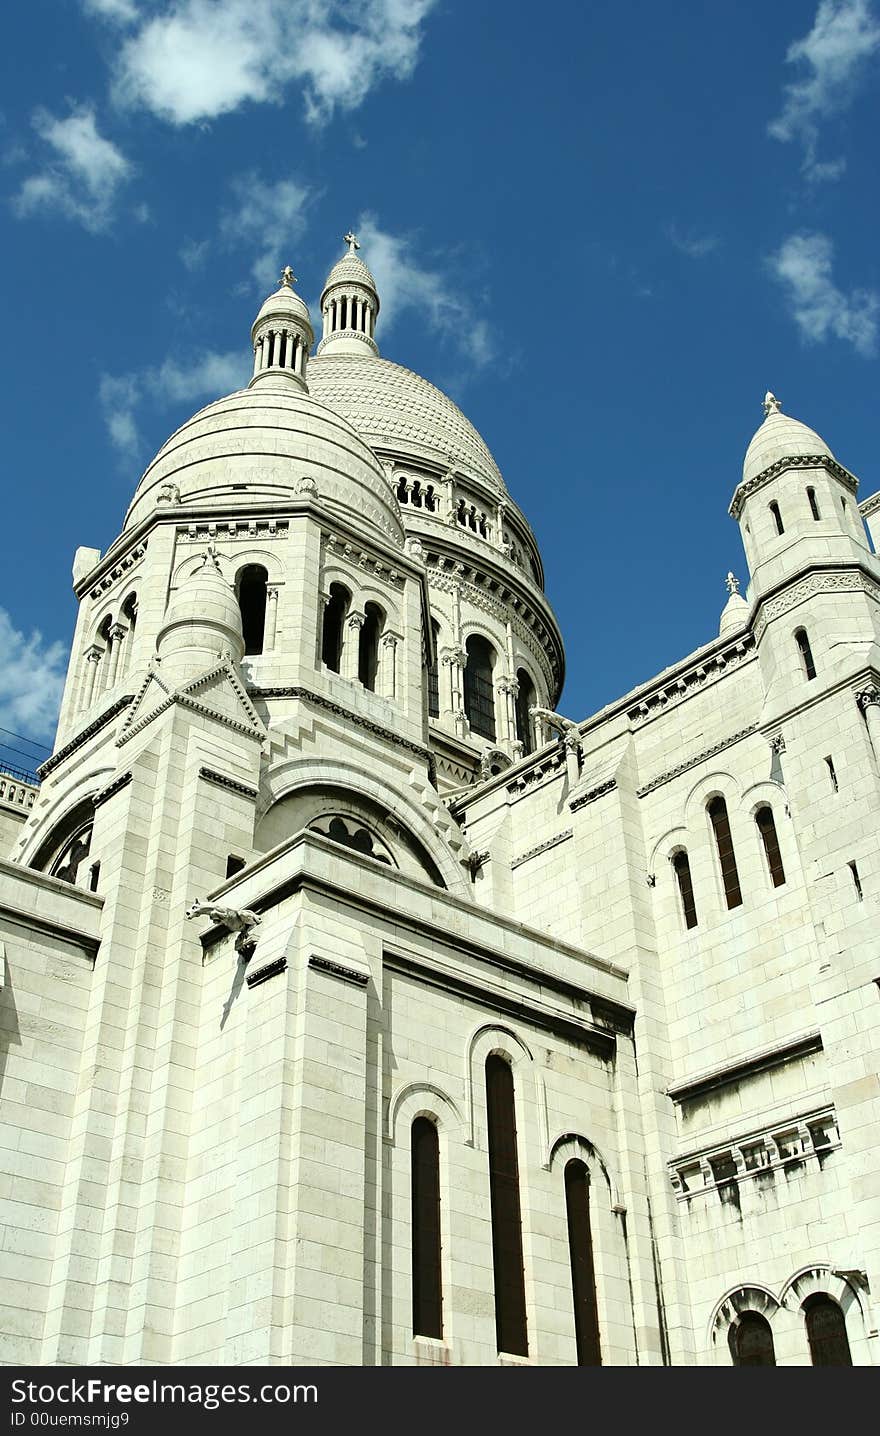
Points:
726	856
252	602
368	646
767	828
826	1332
682	868
777	517
525	699
94	876
805	652
427	1290
479	696
814	507
434	675
583	1276
751	1341
234	865
507	1255
832	773
857	882
331	634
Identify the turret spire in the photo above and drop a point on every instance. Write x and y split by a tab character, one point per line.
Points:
771	405
349	305
282	335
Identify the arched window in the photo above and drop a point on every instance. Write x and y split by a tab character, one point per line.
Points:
806	652
717	811
507	1255
814	507
767	828
334	618
368	645
479	694
751	1341
107	641
130	612
70	860
682	868
251	586
427	1288
826	1332
525	699
434	674
583	1276
777	516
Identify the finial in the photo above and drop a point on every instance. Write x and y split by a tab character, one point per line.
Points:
352	241
211	556
732	584
772	405
288	278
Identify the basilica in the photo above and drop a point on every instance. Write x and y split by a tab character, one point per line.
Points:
361	1009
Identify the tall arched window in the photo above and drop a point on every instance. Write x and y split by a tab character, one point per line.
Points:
777	518
806	653
826	1332
682	868
525	699
334	618
427	1288
479	694
717	810
251	587
368	645
751	1341
130	612
814	506
766	825
434	673
583	1276
507	1255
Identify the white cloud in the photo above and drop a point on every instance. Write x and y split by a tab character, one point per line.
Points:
120	11
32	674
844	36
690	242
819	308
266	217
121	396
197	59
404	282
82	174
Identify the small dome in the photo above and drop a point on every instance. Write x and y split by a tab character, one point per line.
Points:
349	270
202	620
285	303
780	437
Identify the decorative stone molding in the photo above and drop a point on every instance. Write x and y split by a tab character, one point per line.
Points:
508	606
94	727
562	837
321	702
852	580
796	461
336	969
168	493
693	1088
541	772
119	570
868	697
870	506
583	799
269	969
707	671
810	1136
698	758
362	558
220	780
777	743
112	789
236	531
306	487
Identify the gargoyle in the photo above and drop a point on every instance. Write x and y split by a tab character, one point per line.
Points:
238	920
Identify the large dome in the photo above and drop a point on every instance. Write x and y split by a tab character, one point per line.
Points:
393	408
259	443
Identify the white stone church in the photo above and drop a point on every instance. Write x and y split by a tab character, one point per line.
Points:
360	1009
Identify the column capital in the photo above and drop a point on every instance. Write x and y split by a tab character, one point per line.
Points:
868	697
355	619
94	653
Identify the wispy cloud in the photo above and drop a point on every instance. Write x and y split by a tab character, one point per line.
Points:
265	217
122	396
193	60
821	310
831	59
82	174
691	242
32	674
405	282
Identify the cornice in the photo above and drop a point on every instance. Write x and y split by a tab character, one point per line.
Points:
319	701
836	578
749	1066
747	487
695	761
543	848
83	737
112	789
220	780
870	505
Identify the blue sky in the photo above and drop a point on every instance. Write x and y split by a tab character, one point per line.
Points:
604	229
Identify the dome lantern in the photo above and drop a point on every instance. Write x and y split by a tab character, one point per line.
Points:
349	306
282	335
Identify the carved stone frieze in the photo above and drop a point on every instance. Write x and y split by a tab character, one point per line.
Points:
236	531
798	461
707	671
220	780
599	791
120	570
807	1137
852	580
359	557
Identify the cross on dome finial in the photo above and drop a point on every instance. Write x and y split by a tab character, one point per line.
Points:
732	584
771	405
352	241
288	278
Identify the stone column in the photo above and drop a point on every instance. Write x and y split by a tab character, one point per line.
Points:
116	636
351	646
387	684
868	700
93	658
505	727
271	627
453	660
289	348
